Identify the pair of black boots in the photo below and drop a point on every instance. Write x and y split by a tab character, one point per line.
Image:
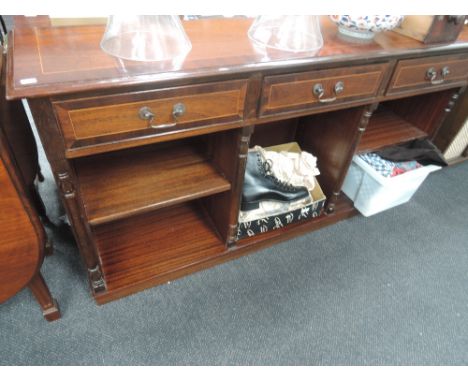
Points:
260	184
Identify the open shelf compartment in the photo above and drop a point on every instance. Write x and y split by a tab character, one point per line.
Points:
115	186
328	136
403	120
385	129
148	246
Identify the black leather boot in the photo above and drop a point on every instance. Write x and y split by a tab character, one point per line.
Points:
260	184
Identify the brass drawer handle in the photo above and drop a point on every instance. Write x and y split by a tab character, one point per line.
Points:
445	71
437	82
319	91
339	87
431	75
145	113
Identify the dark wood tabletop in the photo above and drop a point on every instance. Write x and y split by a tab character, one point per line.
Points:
45	60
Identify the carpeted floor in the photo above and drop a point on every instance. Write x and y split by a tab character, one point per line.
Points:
387	290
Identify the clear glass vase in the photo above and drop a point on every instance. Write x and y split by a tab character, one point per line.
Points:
145	38
288	33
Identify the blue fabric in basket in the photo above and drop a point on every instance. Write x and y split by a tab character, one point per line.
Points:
388	168
382	166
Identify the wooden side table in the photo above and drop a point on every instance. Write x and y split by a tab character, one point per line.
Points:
23	240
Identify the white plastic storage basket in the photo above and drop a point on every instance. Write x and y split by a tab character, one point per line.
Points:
373	193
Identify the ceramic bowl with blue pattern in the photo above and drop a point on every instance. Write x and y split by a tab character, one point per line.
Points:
365	27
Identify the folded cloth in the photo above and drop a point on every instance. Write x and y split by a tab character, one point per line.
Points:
382	166
421	150
298	169
388	168
402	167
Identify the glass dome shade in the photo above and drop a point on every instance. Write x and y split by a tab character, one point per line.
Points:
145	38
288	33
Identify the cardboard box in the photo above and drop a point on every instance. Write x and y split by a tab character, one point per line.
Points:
432	29
64	21
312	210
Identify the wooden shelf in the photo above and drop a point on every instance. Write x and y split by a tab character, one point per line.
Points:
115	186
147	246
151	249
385	129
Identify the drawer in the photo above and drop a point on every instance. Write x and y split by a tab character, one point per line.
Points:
181	111
302	91
423	74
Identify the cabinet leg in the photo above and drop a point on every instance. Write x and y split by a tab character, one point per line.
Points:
96	279
48	304
331	202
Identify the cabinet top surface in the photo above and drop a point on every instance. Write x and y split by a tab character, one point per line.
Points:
45	60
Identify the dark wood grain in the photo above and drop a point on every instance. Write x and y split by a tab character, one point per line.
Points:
274	133
295	91
145	137
412	74
20	246
331	137
120	185
65	178
111	116
142	247
19	137
426	111
22	236
69	59
49	305
229	153
385	128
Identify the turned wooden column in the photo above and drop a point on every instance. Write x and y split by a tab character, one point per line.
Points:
65	178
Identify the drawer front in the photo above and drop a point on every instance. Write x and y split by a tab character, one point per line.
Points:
109	118
427	73
302	91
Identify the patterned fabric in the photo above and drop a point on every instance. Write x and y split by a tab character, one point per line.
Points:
382	166
388	168
273	207
402	167
254	227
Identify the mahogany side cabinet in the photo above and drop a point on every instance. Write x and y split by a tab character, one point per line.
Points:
149	158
